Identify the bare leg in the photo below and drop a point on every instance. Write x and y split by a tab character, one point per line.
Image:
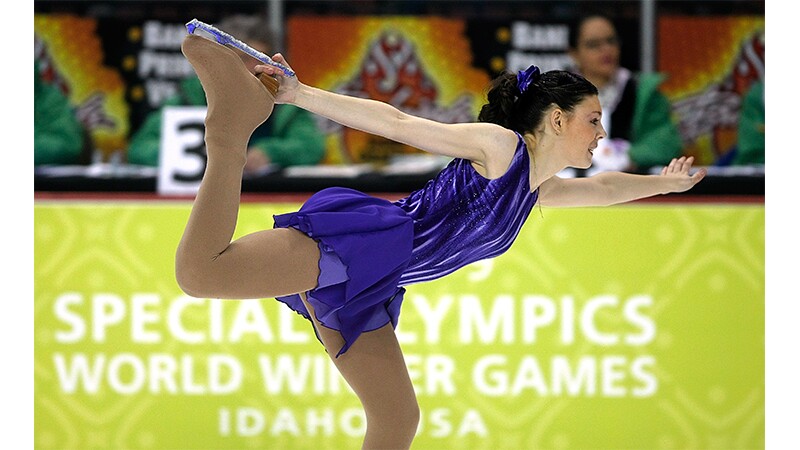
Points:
207	264
376	370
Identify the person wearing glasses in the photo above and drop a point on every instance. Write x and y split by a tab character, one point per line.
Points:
636	116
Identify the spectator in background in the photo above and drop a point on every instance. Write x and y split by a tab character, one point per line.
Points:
290	138
636	116
57	134
751	137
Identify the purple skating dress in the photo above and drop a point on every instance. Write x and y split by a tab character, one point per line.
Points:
370	248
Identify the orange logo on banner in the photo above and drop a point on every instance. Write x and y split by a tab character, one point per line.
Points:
711	62
392	73
70	54
419	65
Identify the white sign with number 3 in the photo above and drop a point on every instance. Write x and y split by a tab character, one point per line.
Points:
182	159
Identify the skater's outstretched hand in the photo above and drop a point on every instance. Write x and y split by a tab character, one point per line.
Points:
678	170
288	85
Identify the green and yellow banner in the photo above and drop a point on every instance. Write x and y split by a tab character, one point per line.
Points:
638	326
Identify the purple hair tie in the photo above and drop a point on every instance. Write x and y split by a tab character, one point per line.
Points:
526	77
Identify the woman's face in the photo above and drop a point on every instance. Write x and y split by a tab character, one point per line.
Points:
597	51
582	130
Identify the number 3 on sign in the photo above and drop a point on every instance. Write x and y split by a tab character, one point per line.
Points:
182	156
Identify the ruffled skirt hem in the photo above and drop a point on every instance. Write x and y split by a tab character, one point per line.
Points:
365	246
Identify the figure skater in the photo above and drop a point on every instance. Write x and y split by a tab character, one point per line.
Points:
342	260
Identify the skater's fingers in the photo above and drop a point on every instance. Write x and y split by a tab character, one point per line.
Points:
267	69
274	69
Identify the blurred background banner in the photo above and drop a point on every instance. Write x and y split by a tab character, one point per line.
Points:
711	62
117	66
421	65
639	326
69	49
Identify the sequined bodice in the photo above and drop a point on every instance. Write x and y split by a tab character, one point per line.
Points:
461	217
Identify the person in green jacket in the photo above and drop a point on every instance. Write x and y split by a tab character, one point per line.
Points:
637	117
291	136
751	139
58	136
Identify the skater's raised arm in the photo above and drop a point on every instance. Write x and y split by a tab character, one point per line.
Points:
473	141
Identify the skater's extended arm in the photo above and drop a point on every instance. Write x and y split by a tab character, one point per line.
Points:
609	188
473	141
